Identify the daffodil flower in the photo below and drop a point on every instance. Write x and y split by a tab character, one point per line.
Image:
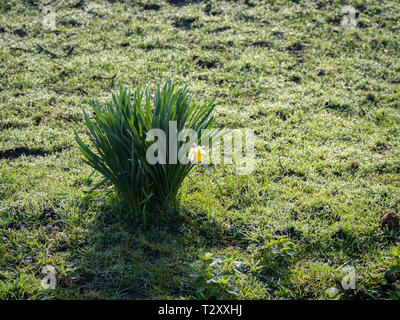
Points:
196	153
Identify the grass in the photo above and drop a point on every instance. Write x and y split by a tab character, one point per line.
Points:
323	101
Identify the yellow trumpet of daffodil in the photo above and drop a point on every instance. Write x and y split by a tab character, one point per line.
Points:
196	153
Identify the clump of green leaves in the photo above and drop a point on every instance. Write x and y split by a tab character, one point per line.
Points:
331	293
229	275
394	273
215	277
118	132
273	253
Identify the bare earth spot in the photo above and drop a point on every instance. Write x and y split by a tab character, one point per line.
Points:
354	165
369	97
390	220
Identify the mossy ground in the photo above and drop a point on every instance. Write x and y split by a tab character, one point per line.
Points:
323	101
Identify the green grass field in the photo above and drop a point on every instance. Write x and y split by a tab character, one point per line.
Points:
323	101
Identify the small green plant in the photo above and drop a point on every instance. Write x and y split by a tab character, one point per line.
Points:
215	276
393	273
395	266
331	293
119	134
273	253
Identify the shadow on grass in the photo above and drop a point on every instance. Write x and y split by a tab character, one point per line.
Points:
119	259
